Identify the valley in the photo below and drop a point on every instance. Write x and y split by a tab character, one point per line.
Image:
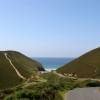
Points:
24	78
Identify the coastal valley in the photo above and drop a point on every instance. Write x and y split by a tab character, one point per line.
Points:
22	78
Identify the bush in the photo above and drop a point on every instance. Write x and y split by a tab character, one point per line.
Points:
25	94
58	96
93	84
10	97
48	90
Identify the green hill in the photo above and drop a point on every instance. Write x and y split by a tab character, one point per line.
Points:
86	66
15	67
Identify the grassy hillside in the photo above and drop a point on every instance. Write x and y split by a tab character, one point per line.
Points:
25	65
86	66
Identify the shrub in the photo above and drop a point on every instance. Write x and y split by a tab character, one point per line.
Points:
93	84
25	94
10	97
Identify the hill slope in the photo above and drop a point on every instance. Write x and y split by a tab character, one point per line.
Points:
86	66
15	67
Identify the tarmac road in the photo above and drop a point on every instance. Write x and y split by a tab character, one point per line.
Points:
92	93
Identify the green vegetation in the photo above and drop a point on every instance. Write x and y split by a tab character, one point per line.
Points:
86	66
25	65
87	83
47	86
42	90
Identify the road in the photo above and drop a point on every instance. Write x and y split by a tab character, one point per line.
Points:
92	93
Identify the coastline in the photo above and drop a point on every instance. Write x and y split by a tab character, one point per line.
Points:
50	69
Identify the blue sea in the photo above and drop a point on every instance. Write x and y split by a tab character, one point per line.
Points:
52	63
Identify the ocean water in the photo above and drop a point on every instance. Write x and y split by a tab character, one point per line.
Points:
53	63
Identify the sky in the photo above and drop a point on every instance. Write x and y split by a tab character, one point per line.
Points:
50	28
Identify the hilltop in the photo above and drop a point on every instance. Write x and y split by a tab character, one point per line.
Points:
86	66
16	67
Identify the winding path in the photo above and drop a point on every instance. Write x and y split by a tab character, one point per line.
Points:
92	93
17	72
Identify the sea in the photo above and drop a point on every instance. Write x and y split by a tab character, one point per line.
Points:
52	63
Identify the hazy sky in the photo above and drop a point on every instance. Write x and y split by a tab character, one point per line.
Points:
51	28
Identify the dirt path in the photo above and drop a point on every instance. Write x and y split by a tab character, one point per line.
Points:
83	94
60	75
17	72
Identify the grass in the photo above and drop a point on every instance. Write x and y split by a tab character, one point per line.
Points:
59	96
25	65
50	89
47	86
50	86
86	66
